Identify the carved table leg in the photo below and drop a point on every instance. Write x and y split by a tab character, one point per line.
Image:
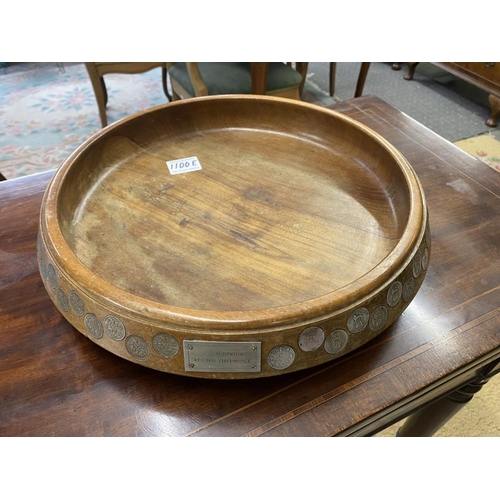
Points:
396	66
411	70
495	110
428	420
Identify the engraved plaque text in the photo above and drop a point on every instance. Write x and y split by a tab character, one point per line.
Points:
221	357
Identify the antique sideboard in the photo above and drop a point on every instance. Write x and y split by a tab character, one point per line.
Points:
484	75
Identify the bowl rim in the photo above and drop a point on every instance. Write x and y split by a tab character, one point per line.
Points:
300	313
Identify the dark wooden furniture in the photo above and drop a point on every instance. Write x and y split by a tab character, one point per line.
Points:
97	71
360	84
485	75
55	382
192	79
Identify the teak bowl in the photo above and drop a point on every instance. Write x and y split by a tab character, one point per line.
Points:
303	236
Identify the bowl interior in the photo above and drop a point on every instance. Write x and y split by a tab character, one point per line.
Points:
292	203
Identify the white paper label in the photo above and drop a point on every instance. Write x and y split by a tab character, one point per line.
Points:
183	165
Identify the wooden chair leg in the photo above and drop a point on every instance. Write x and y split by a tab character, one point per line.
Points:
495	111
301	67
164	75
259	71
411	70
365	66
99	92
333	71
104	91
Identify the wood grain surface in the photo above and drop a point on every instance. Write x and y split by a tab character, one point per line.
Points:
276	199
56	383
298	219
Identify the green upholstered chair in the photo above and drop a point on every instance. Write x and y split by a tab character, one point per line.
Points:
217	78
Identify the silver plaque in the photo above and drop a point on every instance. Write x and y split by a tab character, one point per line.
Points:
221	357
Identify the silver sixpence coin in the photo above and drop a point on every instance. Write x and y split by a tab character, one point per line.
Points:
137	347
93	326
165	345
378	318
408	288
52	276
417	265
394	293
76	303
62	300
336	342
311	338
281	357
114	328
428	236
358	320
43	266
425	259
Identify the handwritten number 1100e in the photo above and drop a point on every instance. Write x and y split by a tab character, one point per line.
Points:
183	165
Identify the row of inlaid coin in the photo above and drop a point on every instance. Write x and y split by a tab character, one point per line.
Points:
312	338
163	343
279	358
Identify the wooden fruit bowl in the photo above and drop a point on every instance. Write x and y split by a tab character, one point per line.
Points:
303	236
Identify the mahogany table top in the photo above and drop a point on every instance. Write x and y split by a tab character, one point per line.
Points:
55	382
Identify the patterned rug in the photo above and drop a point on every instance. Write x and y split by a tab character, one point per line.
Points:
48	109
486	147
